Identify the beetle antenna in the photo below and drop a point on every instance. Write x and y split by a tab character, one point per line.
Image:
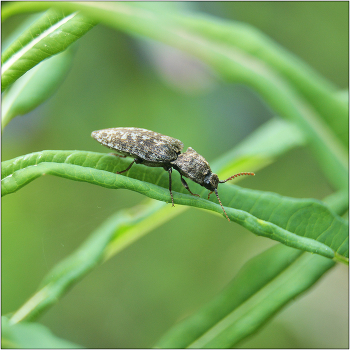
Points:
217	195
235	175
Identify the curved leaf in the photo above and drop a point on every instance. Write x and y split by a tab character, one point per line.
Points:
260	148
31	336
317	90
35	86
112	236
338	202
262	287
51	34
305	224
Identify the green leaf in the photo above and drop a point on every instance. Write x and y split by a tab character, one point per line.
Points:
261	288
31	336
338	202
318	91
261	148
48	36
305	224
120	230
35	86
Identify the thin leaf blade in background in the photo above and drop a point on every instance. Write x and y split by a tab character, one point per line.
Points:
248	281
261	148
51	34
260	289
338	202
313	87
120	230
35	86
31	336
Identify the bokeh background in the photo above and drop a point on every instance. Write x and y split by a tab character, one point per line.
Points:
116	80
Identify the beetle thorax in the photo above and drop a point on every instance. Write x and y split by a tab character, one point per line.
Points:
192	165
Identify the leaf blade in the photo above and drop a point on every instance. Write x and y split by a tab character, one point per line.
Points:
261	288
118	231
266	214
48	36
31	336
35	86
254	313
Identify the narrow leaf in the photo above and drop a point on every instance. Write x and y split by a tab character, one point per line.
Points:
51	34
116	233
305	224
314	88
35	86
260	289
31	336
261	148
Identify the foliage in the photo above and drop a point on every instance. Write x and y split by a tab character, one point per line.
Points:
306	104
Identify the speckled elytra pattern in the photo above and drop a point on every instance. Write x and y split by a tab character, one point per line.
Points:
147	145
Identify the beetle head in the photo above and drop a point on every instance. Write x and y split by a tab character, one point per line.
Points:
211	181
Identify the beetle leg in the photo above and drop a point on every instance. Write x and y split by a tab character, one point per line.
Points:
117	155
210	193
187	188
170	170
123	171
217	195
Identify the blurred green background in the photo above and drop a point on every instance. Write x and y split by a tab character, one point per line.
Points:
116	80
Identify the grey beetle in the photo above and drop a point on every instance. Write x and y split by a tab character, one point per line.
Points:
156	150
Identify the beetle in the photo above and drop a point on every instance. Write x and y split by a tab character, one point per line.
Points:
156	150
